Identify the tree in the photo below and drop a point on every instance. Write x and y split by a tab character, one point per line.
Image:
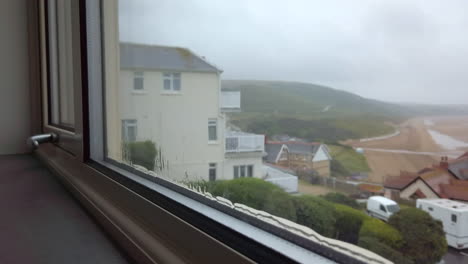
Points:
383	250
424	237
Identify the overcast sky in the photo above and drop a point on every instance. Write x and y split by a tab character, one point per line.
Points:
394	50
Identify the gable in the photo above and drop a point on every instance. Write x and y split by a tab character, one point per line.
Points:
321	154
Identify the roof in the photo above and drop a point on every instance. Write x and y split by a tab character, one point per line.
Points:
457	192
446	203
382	200
272	151
298	147
437	177
370	188
154	57
459	167
400	182
277	171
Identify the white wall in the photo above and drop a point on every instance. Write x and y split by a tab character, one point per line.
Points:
286	181
238	159
178	123
410	190
14	73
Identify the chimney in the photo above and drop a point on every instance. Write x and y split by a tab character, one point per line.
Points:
444	162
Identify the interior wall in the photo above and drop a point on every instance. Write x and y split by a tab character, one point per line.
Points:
14	77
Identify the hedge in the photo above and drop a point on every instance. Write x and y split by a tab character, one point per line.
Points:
257	194
142	153
340	198
348	223
382	232
383	250
316	213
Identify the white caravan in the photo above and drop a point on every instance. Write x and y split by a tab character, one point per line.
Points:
454	217
381	207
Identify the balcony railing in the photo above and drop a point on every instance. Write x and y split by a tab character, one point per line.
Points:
230	101
245	143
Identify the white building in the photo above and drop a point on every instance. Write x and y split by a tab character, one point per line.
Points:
173	97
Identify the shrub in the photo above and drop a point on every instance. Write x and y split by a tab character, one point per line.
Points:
316	213
382	232
142	153
424	237
348	223
340	198
383	250
257	194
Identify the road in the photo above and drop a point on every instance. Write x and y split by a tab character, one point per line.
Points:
454	256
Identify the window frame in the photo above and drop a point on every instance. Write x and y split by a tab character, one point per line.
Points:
170	76
139	75
213	122
125	127
125	207
212	167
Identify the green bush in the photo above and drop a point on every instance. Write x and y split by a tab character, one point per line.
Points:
348	223
382	232
316	213
142	153
257	194
383	250
340	198
424	237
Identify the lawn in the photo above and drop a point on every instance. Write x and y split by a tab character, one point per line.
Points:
351	160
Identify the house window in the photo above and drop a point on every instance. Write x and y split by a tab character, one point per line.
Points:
212	129
250	171
236	172
212	171
129	130
242	171
171	81
454	218
138	81
430	209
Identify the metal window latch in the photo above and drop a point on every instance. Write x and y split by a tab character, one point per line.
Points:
35	140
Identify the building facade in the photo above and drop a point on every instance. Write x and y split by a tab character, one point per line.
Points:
172	97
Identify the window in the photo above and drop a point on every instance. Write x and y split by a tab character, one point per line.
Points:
454	218
242	171
171	82
382	208
138	81
236	172
129	130
212	129
430	209
212	172
250	169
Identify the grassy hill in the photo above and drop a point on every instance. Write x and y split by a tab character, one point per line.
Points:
317	112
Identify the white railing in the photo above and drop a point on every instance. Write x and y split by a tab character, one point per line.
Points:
230	100
245	143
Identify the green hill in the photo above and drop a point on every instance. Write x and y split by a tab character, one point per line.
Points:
317	112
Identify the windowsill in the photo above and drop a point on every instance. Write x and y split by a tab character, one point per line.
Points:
213	142
139	92
171	93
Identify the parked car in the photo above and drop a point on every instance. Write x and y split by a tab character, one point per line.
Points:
454	217
381	207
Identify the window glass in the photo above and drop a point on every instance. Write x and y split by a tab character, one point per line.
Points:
322	102
61	65
212	130
138	81
250	171
454	218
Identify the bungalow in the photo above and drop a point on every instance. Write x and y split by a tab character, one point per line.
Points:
299	155
444	180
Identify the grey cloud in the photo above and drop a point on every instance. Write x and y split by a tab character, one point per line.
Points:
395	50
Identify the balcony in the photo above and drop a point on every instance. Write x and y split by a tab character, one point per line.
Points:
244	142
230	101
